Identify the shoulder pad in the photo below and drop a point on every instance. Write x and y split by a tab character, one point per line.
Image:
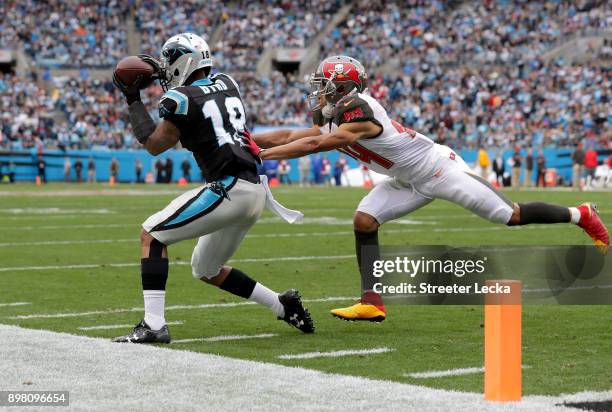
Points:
174	101
352	109
225	76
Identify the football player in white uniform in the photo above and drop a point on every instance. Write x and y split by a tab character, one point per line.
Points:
418	171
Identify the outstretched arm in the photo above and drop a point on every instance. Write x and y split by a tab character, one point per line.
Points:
345	135
284	136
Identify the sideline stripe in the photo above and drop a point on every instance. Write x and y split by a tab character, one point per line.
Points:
173	307
449	372
335	354
226	337
3	305
103	327
240	384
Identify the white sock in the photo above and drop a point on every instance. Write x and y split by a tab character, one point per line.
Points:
154	301
574	215
267	297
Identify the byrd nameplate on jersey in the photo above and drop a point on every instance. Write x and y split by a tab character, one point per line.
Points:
446	275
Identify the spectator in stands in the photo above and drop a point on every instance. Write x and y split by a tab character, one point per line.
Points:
577	166
483	163
169	169
529	163
326	171
114	169
42	169
340	169
271	169
67	168
284	169
316	162
590	165
138	170
160	171
12	170
516	167
609	175
541	178
91	170
499	168
186	168
78	170
304	170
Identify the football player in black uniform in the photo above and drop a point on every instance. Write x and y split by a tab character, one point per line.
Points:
205	113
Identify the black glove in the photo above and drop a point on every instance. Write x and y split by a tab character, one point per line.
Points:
157	69
132	91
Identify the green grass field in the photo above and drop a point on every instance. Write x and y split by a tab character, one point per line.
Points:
567	348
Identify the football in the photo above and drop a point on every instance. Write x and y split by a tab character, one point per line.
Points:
129	68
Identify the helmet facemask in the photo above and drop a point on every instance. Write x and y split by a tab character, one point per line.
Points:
333	81
181	55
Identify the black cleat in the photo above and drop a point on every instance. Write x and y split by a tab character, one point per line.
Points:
142	333
295	313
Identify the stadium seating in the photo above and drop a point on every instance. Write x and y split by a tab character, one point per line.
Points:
465	73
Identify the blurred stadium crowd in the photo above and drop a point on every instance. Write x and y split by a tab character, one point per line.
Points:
470	73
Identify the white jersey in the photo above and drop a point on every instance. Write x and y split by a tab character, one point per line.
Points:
397	151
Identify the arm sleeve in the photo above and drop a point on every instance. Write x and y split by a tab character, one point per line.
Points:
353	109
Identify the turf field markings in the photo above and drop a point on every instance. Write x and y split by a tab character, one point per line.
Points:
169	308
226	338
448	372
4	305
104	327
55	227
273	235
240	384
68	242
335	354
174	263
55	211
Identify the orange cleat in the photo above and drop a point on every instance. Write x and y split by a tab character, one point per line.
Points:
591	223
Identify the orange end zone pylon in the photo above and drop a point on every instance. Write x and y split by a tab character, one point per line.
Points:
502	346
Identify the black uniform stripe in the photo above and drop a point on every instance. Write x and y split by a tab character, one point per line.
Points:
162	225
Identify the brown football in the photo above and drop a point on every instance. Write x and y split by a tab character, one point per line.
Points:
129	68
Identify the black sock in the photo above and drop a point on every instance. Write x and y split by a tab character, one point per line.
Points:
154	273
540	212
238	283
366	246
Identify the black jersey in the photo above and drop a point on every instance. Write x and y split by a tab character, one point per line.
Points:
209	115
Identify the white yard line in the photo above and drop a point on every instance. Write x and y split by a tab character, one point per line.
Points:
168	308
174	263
440	374
125	325
226	337
448	372
58	360
3	305
335	354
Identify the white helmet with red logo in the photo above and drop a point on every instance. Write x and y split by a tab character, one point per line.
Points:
336	77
